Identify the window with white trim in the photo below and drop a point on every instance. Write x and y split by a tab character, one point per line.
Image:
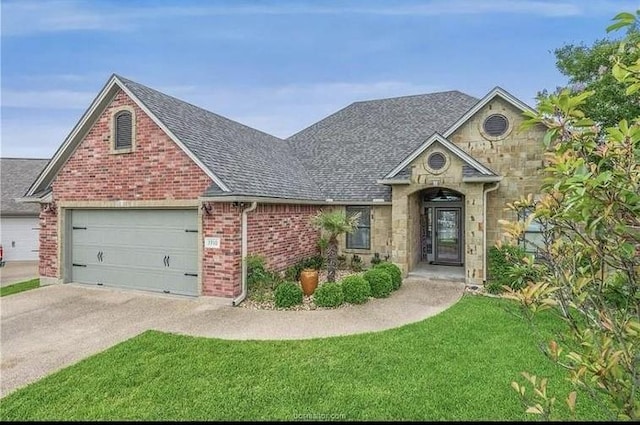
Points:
361	237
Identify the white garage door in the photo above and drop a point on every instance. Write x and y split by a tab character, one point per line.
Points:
153	250
19	238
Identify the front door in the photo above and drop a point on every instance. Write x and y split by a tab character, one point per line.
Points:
448	240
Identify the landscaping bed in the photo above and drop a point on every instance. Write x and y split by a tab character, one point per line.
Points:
271	290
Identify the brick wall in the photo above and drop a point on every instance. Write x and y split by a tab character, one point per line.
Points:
221	267
48	246
282	233
157	169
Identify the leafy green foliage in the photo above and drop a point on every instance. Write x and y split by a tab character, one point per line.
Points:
505	268
356	263
333	223
356	289
379	281
590	68
260	280
292	273
375	260
288	294
329	295
394	271
590	219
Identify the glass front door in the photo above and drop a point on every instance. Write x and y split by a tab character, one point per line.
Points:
447	246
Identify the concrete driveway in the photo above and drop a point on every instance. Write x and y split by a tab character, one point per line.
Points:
49	328
18	271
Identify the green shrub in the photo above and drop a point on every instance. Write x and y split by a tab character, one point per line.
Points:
329	295
356	263
316	262
292	273
356	289
394	271
288	294
380	282
342	262
500	267
375	260
260	280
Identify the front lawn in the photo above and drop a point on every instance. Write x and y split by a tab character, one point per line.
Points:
19	287
454	366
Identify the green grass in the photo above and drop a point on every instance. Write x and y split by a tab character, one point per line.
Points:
19	287
457	365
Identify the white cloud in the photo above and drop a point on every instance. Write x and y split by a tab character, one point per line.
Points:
28	17
46	99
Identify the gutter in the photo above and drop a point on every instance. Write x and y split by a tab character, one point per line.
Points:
236	301
484	229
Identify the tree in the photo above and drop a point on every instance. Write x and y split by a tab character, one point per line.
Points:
333	224
589	68
587	270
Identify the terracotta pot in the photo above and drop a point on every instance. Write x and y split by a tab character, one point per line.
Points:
309	281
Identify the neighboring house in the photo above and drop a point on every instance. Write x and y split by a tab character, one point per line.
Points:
19	222
151	192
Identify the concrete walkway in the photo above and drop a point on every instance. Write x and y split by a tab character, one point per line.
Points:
46	329
18	271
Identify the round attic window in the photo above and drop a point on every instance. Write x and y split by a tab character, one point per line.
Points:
436	161
495	125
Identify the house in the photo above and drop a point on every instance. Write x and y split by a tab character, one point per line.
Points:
153	193
19	222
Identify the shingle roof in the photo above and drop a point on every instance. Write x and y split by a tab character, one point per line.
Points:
247	160
16	175
350	150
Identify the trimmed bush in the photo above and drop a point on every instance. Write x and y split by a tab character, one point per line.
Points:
329	295
500	267
380	282
288	294
394	271
356	289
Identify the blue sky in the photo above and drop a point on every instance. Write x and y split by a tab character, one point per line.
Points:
278	66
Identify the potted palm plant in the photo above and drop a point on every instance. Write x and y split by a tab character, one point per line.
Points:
332	224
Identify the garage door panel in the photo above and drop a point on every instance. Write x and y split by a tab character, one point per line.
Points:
19	238
140	249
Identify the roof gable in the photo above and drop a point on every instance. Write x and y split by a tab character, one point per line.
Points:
497	91
473	167
350	150
101	101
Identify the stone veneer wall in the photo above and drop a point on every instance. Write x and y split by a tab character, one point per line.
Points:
405	213
518	157
380	235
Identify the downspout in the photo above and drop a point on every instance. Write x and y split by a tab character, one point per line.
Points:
484	230
236	301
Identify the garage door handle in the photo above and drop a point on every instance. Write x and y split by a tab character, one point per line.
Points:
165	261
168	260
78	265
191	274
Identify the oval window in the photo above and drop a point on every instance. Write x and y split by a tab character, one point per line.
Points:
495	125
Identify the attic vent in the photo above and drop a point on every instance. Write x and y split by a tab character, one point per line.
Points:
123	130
495	125
436	161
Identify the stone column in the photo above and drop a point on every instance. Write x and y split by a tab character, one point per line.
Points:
399	228
473	234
